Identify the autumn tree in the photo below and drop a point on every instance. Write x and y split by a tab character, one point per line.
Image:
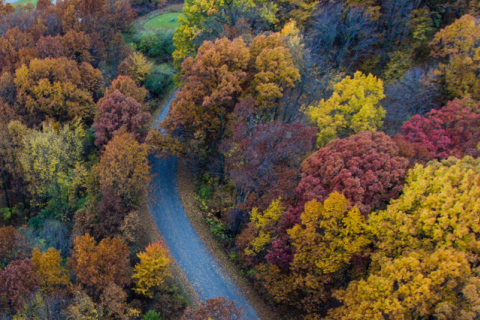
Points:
450	131
128	87
325	241
437	209
57	88
216	309
16	48
50	47
124	169
259	232
366	168
98	265
83	308
12	178
417	285
77	46
198	19
17	280
117	113
52	160
136	66
222	73
12	246
49	269
354	107
152	270
262	159
201	107
274	70
458	46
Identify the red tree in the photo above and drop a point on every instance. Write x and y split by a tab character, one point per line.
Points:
263	159
17	280
365	167
118	111
12	245
450	131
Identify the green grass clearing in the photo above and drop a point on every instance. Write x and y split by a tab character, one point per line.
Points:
24	2
163	21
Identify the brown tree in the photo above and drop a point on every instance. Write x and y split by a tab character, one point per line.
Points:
57	88
118	112
97	266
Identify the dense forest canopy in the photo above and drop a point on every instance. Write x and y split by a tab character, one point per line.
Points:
334	146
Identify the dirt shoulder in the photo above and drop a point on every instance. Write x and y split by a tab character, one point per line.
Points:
187	193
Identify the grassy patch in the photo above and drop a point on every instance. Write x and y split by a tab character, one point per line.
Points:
168	20
24	2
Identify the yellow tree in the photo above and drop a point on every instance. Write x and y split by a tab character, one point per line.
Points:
274	69
48	267
53	166
353	107
152	270
418	285
263	223
458	45
440	206
325	241
57	88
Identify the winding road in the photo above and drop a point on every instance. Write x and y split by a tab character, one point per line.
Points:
207	277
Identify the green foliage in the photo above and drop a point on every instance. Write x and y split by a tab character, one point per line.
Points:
152	315
154	44
217	227
159	80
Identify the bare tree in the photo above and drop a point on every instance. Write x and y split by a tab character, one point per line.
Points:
415	93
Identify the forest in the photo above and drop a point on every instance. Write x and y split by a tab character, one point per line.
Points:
334	149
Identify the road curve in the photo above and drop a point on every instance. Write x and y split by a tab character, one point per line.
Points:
207	277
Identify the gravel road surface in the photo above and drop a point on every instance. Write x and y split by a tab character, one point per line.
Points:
208	278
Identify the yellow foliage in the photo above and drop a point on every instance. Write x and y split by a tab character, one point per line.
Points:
53	165
152	270
141	67
440	206
459	43
47	265
353	107
83	308
410	287
264	222
328	236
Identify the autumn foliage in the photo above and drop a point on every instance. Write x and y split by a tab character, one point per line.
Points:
119	112
98	265
366	168
450	131
152	270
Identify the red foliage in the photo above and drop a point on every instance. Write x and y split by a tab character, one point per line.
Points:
365	167
450	131
17	280
281	253
263	159
12	245
118	111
